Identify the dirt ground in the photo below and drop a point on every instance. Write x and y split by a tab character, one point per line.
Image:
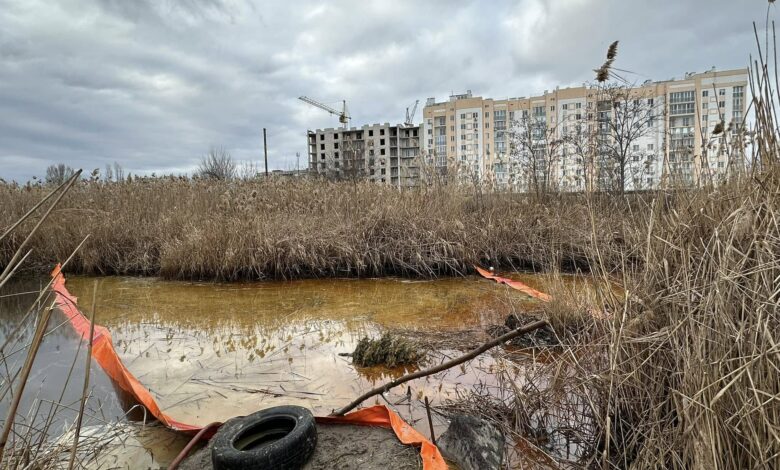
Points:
343	447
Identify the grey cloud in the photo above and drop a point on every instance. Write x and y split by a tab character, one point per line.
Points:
153	84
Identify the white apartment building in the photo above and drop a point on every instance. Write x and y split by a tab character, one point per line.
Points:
675	143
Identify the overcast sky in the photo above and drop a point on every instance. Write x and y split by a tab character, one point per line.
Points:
154	84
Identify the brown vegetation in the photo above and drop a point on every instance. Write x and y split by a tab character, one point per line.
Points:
231	230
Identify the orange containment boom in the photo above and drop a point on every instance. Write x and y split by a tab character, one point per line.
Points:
380	415
515	285
104	354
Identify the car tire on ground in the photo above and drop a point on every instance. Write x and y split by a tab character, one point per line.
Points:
279	438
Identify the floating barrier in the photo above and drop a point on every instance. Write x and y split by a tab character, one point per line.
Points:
526	289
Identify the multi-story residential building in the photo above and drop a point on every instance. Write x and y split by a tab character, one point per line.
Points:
592	137
383	153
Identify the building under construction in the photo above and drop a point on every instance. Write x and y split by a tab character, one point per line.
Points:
383	153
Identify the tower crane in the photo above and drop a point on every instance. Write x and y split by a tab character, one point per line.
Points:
343	115
410	115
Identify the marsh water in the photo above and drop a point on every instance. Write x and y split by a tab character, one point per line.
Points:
209	351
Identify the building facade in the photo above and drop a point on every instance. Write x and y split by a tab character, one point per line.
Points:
586	138
383	153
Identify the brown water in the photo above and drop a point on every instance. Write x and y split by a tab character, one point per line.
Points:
212	351
209	352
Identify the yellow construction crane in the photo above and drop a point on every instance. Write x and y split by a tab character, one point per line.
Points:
410	115
343	115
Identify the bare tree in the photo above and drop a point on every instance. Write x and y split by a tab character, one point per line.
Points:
579	149
58	174
248	170
119	172
217	165
533	151
626	114
353	165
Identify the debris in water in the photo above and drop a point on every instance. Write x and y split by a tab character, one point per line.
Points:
389	351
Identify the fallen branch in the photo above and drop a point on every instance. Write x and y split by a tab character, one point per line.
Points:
444	366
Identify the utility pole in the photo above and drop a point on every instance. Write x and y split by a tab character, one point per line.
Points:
265	151
297	162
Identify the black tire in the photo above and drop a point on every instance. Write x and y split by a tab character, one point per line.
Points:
279	438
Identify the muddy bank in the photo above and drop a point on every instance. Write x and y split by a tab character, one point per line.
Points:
343	447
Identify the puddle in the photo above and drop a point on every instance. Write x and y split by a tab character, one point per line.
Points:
211	351
208	352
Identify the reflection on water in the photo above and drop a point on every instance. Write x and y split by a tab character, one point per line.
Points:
56	379
211	351
208	352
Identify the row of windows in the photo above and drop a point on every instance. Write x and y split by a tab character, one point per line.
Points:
736	91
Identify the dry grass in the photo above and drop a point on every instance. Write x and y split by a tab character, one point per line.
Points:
282	229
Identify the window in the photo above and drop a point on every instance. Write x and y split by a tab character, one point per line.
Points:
650	102
382	132
578	116
336	164
463	126
649	146
452	138
704	105
322	146
452	128
578	105
430	142
722	92
463	115
475	115
371	133
335	145
721	104
381	151
335	136
335	155
564	106
681	96
322	156
382	172
636	147
463	147
684	108
430	131
552	108
705	93
487	125
452	118
738	91
487	114
322	136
